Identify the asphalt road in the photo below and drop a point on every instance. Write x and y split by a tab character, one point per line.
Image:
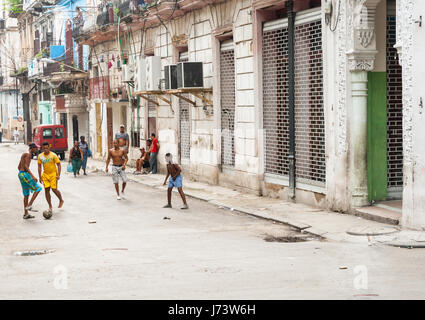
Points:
132	252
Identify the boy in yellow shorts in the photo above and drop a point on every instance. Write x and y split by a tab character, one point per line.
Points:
51	174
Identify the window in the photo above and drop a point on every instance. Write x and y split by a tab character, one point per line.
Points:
135	141
47	134
59	134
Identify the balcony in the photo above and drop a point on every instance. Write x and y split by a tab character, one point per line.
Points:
51	67
99	88
70	102
105	17
35	68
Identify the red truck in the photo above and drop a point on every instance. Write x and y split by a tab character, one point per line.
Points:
55	135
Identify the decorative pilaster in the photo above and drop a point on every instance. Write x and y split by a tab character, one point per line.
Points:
361	57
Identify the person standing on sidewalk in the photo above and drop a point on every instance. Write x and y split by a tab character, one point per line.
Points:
49	162
154	153
76	158
1	131
28	180
123	139
119	161
84	149
16	135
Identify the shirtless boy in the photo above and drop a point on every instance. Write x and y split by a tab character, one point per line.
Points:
176	180
28	180
119	161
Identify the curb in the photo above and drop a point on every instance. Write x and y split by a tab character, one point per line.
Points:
406	245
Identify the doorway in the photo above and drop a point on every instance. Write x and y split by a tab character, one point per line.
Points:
98	129
227	80
110	127
385	122
152	113
75	133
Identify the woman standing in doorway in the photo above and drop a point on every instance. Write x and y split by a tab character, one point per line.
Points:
76	158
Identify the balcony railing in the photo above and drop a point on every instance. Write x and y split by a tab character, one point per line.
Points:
35	68
99	88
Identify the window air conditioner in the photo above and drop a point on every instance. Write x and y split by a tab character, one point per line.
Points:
140	77
153	73
127	73
190	75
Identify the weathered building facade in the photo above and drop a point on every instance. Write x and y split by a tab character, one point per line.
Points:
300	100
11	114
54	71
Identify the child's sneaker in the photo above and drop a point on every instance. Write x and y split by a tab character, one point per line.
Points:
118	198
185	207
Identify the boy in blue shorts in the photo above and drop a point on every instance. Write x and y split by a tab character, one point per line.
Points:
176	180
28	180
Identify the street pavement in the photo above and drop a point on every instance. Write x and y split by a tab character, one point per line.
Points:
100	248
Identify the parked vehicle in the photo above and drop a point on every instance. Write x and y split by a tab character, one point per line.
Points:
55	135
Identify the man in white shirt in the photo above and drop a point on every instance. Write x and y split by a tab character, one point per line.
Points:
16	135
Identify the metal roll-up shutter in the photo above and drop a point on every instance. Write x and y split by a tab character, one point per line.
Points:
309	110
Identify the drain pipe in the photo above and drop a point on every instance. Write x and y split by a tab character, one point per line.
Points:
291	94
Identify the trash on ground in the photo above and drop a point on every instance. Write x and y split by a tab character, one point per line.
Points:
92	221
33	252
343	267
166	218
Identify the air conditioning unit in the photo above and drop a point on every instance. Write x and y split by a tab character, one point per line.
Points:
140	76
190	75
153	73
127	73
170	72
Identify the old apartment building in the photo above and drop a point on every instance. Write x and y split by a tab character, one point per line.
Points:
53	69
316	101
11	114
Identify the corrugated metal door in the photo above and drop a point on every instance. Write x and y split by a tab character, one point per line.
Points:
227	84
394	112
309	112
184	120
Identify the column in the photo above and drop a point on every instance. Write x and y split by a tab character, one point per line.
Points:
358	139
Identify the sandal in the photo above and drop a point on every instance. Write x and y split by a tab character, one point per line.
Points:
28	216
31	209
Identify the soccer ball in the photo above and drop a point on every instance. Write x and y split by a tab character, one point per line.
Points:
47	214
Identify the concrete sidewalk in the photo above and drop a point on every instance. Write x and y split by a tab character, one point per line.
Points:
318	222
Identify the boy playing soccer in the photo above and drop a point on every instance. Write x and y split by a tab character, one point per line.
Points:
28	180
176	180
49	162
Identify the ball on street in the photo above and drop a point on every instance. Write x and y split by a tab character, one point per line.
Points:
47	214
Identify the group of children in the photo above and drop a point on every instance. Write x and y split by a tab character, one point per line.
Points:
49	171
